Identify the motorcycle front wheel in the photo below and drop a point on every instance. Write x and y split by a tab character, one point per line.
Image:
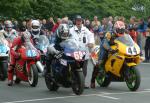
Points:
78	82
51	85
133	78
33	75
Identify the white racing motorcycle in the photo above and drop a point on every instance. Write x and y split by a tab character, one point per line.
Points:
4	57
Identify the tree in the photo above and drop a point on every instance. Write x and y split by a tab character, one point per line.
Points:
87	8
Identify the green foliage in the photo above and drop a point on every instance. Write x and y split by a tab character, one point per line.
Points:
21	9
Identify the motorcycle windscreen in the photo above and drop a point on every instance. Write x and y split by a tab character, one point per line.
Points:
126	39
31	51
74	49
127	46
3	46
42	43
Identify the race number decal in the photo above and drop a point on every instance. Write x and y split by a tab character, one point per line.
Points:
31	53
78	55
131	51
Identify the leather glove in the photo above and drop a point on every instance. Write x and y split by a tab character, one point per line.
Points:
113	51
18	56
58	55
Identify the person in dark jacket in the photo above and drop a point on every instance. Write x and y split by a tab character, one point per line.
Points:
105	48
62	34
147	43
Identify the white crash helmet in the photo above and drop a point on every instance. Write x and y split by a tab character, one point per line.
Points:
36	26
8	25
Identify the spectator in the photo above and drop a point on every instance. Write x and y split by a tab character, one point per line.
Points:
121	18
44	25
28	24
56	25
104	28
132	27
88	24
141	32
22	27
24	23
50	24
1	28
64	20
52	36
147	43
110	21
95	26
82	35
15	23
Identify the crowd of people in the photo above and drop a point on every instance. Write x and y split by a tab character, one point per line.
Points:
137	28
90	32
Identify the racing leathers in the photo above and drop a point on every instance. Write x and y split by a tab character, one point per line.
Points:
103	55
14	55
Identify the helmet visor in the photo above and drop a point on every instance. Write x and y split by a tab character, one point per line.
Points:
35	27
120	31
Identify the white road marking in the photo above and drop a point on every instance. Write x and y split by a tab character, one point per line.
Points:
146	63
102	94
114	98
136	92
42	99
147	89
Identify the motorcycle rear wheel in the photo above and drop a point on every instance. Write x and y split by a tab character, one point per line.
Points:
103	79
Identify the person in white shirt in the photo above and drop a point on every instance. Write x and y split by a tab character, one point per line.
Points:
82	35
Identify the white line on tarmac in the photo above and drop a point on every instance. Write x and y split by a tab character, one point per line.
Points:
114	98
147	89
42	99
101	95
134	92
146	63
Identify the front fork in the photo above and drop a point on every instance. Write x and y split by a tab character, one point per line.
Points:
40	66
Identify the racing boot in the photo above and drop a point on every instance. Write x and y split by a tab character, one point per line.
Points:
10	75
94	74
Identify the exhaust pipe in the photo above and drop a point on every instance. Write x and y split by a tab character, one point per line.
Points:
40	66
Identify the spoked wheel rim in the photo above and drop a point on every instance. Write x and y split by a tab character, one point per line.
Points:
131	78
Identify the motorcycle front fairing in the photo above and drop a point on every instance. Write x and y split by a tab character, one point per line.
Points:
74	52
29	52
4	47
29	55
71	60
128	52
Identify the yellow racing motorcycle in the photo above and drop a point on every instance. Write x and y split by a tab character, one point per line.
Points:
121	66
